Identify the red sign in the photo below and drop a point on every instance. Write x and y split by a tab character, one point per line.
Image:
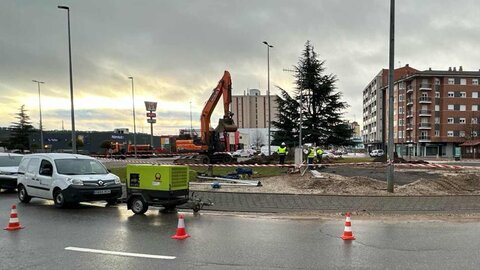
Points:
151	114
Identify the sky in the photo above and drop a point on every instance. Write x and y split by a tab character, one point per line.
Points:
177	51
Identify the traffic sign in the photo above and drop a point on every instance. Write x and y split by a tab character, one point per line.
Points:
152	121
151	114
151	106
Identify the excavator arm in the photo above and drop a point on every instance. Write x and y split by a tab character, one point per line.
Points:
226	124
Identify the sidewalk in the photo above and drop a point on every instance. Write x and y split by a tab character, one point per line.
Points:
284	203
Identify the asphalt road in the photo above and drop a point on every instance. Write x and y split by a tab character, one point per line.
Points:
225	242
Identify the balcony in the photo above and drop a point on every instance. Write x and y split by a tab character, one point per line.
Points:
408	139
409	127
409	89
423	138
424	126
409	102
425	113
425	100
409	114
425	87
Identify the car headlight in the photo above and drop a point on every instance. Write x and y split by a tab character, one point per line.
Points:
76	182
117	181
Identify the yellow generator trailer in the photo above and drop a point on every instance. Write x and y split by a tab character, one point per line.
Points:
158	185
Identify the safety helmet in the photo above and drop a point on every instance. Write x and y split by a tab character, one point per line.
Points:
283	144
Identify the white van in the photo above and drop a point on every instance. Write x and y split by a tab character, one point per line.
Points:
264	149
66	178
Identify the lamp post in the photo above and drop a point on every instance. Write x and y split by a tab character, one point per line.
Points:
40	109
74	139
134	124
391	145
268	91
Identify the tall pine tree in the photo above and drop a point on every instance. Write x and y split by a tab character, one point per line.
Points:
20	131
287	124
322	107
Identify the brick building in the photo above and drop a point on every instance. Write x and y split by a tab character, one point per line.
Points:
435	111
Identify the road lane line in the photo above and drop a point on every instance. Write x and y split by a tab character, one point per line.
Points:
127	254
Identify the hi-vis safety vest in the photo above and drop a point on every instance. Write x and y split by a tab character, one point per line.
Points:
319	151
282	150
311	153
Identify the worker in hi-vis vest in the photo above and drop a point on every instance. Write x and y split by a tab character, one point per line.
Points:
310	154
319	154
282	153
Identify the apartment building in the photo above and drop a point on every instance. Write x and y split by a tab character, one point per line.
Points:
435	111
250	113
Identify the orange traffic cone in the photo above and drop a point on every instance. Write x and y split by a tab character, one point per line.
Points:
181	233
13	224
347	233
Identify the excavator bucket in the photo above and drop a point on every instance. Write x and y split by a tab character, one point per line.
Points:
226	125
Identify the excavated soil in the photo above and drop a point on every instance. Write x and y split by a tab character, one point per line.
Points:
364	181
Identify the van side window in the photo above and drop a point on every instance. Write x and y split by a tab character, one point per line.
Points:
33	165
46	168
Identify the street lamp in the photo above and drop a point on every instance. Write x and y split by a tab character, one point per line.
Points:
74	137
268	90
134	124
40	109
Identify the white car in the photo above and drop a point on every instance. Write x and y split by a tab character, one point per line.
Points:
8	170
377	153
66	178
244	153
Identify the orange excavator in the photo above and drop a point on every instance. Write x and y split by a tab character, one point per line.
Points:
213	143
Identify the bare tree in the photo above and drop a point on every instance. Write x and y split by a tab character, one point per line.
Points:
257	139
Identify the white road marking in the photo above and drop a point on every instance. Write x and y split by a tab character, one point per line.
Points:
127	254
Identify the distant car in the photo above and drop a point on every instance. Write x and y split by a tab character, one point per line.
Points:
8	170
244	153
377	153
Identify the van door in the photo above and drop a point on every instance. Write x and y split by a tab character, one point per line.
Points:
31	181
45	179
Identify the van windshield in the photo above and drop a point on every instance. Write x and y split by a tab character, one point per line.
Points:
10	161
79	166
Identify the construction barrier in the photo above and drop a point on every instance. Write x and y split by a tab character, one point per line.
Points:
399	165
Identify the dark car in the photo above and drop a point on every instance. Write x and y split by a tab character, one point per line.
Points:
8	170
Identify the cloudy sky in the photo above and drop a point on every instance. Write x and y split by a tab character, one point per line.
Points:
177	51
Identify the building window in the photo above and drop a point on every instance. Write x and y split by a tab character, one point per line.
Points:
450	107
474	107
463	94
401	97
463	108
450	133
450	120
474	134
400	110
437	108
463	81
462	121
474	120
475	81
400	122
451	81
437	120
474	94
437	133
437	94
462	133
437	81
451	94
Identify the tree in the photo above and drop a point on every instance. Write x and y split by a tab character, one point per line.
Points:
257	139
80	143
288	120
20	131
322	108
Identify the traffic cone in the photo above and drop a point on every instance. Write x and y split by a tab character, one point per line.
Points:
13	224
347	233
181	233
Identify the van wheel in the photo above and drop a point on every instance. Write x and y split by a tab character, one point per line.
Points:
23	195
138	205
58	198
